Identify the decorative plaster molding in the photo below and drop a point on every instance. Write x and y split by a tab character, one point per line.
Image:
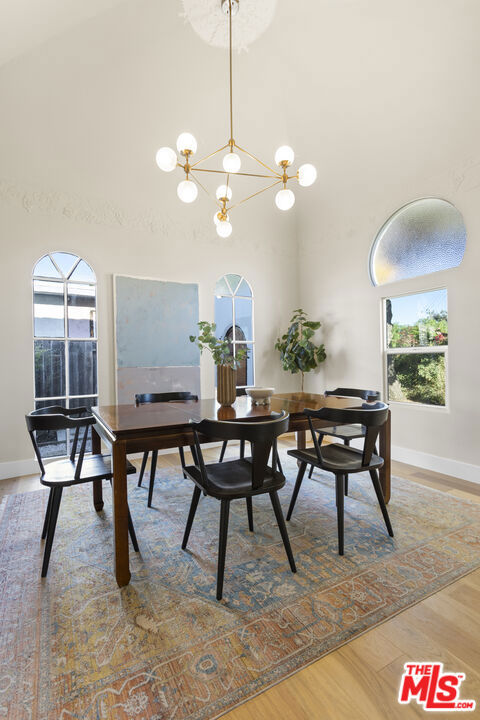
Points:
81	210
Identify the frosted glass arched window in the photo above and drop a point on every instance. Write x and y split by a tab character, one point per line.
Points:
422	237
234	321
65	340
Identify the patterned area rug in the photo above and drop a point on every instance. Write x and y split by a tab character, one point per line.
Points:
74	646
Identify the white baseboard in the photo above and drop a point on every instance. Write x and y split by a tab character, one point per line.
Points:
18	468
446	466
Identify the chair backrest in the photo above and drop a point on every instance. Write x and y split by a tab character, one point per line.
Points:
147	398
372	416
261	432
367	395
56	417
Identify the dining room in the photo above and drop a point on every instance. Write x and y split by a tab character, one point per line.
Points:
239	469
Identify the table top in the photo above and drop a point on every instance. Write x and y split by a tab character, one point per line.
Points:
123	419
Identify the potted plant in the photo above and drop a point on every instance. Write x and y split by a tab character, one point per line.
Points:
223	358
297	351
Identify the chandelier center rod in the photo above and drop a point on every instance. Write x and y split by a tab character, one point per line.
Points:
232	141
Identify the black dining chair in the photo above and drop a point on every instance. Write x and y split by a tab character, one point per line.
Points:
347	433
341	459
74	470
145	399
238	479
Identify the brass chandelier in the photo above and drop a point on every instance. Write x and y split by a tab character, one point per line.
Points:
187	189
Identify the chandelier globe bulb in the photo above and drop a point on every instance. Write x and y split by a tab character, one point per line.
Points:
224	229
285	199
186	144
307	174
284	155
187	191
166	159
232	162
223	191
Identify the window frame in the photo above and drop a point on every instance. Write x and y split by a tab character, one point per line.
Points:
420	350
240	388
65	338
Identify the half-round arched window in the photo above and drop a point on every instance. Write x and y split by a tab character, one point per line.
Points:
234	321
422	237
65	339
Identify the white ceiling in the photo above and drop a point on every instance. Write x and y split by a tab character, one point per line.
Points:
25	24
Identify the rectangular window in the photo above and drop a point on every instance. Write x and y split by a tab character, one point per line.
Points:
416	347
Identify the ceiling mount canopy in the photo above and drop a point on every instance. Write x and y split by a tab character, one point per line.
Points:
187	189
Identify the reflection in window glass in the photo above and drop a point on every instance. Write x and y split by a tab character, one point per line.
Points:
234	321
81	310
425	236
82	367
49	368
48	309
416	345
418	320
65	368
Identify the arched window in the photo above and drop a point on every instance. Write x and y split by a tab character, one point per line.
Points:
422	237
65	339
234	321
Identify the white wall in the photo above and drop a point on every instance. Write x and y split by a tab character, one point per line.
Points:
382	96
81	120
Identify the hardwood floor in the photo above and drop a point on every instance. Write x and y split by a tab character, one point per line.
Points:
360	680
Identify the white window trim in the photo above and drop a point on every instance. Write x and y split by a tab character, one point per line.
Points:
419	350
65	338
236	342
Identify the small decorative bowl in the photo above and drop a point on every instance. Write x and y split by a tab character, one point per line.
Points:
260	395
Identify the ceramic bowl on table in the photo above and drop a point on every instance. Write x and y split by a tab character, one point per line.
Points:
260	395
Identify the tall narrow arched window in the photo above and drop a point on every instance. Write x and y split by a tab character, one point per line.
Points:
234	321
65	339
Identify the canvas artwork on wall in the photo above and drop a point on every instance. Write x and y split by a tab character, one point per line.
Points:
153	322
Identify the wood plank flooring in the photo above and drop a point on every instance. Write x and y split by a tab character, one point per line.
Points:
360	680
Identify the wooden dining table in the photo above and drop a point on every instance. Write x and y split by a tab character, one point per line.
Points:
128	429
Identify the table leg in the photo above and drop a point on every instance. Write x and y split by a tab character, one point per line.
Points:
120	513
97	484
386	453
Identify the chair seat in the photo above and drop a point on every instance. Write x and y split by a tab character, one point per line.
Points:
346	432
95	467
233	479
337	459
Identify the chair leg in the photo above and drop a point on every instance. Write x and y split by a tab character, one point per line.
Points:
347	443
381	500
242	449
222	545
283	529
301	473
131	530
340	493
191	515
222	452
182	460
250	513
153	469
47	514
56	499
310	472
142	469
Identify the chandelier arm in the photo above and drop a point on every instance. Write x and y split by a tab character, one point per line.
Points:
222	172
209	156
207	192
276	174
232	207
